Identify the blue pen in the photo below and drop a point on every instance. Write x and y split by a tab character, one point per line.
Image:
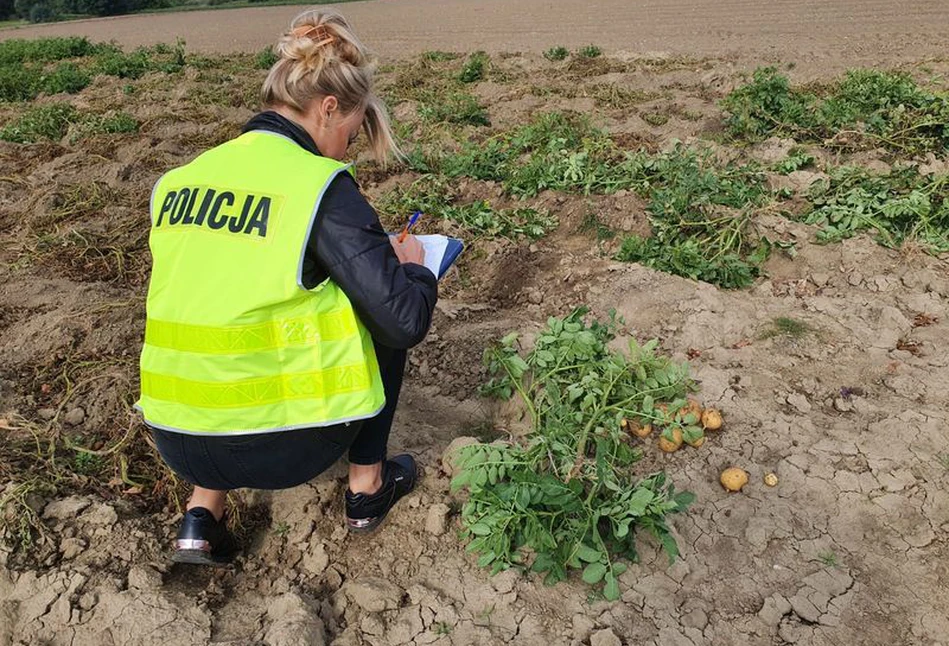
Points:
411	223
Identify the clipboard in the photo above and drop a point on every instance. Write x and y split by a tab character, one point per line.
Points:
441	252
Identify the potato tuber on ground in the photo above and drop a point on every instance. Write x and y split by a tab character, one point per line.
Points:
733	478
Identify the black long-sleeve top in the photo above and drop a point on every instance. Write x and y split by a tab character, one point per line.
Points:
348	245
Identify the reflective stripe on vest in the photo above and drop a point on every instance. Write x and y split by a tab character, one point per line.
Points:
269	335
339	380
233	343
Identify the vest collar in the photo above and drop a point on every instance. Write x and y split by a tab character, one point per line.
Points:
271	121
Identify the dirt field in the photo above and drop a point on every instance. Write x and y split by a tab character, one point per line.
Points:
849	549
819	35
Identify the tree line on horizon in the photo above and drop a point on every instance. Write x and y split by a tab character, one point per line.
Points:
37	11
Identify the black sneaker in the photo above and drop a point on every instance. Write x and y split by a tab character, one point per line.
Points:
365	512
202	540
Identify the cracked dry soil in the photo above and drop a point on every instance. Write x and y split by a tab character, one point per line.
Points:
849	548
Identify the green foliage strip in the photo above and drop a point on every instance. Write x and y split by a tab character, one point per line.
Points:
901	207
866	108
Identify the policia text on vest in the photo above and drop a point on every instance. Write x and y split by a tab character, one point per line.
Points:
218	209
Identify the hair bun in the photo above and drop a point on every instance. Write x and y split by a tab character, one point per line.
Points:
320	56
310	46
298	45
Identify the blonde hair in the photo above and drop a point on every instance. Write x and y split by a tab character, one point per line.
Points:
332	63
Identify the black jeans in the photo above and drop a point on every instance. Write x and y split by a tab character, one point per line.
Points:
287	458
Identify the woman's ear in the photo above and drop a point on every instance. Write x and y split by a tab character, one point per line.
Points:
328	106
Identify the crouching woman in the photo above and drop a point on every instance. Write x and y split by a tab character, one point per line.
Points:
279	311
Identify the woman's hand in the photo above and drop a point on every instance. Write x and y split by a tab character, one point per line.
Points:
408	251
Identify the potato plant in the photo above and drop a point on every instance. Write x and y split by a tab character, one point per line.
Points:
863	109
566	496
900	207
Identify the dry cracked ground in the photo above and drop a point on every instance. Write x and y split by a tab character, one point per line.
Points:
849	548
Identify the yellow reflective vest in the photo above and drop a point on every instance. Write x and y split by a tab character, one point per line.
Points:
234	343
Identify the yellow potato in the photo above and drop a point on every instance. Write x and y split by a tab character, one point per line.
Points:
733	478
697	442
693	408
643	431
711	419
771	480
635	427
670	446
